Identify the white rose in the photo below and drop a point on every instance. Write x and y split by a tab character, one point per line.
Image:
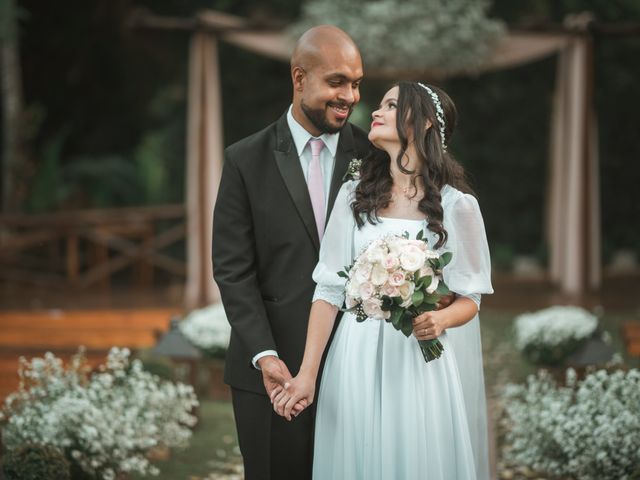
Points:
419	244
406	290
379	275
363	272
412	258
426	271
353	288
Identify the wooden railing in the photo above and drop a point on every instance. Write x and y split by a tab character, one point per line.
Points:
87	247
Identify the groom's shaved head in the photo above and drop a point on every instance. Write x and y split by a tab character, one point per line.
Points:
322	43
326	70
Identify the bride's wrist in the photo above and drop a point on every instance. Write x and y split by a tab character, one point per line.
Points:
308	372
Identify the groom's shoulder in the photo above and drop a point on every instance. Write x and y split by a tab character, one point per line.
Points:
254	144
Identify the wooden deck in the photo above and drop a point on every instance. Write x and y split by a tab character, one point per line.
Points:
32	333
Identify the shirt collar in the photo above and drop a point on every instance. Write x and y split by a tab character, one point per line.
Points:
301	136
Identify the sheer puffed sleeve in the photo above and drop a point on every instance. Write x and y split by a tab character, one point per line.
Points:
469	273
336	250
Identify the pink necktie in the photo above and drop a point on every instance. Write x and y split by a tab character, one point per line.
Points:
315	184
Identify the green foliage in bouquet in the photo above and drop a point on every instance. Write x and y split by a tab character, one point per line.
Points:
35	462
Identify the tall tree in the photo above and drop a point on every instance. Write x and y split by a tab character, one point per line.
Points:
11	83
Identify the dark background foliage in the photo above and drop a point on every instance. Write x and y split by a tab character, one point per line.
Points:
106	111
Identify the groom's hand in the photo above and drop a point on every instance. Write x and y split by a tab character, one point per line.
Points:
274	375
445	301
274	372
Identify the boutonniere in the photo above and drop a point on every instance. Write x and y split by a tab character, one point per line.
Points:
353	170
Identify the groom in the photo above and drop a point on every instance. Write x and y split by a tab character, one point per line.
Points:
277	190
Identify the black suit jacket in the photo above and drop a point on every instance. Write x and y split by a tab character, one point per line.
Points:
265	246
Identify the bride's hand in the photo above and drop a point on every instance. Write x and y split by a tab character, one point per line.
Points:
430	325
297	390
278	393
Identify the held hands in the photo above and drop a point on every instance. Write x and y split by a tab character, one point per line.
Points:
275	375
296	392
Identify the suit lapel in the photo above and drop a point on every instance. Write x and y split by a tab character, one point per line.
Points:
291	171
344	154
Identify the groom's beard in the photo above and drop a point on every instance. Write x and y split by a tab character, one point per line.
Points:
318	117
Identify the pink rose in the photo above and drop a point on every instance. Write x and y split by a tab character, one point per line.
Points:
366	290
390	262
372	308
396	278
389	290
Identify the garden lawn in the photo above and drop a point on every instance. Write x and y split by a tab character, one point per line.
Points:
213	450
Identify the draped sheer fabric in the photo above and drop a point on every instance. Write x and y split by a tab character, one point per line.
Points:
459	375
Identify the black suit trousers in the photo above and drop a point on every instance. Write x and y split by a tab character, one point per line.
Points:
272	447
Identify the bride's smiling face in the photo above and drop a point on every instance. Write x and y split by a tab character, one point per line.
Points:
383	127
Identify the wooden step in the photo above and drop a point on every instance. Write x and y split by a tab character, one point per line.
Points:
32	333
631	336
95	329
43	338
158	318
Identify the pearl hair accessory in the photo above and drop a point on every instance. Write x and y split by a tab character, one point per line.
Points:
439	112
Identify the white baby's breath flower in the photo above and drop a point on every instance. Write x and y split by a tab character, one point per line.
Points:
207	328
550	334
105	422
588	430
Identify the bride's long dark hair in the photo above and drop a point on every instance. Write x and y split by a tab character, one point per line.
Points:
438	167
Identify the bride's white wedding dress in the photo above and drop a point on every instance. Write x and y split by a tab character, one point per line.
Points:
382	412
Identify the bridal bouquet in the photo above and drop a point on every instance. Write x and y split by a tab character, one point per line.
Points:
396	279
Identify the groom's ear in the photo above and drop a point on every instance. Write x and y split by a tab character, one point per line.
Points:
297	77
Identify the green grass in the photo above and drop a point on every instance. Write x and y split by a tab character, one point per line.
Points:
212	447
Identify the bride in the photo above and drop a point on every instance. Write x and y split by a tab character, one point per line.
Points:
382	412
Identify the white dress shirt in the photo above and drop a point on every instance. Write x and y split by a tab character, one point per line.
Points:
327	162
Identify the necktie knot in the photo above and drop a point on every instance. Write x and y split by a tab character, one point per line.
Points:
316	145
